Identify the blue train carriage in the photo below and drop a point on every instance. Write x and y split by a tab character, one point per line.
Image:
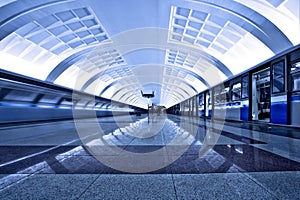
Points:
221	99
275	90
238	105
267	93
231	99
293	109
260	97
285	89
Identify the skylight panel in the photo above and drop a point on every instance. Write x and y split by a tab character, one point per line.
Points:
178	30
183	11
189	65
75	26
89	40
203	43
51	43
179	62
235	29
37	38
96	31
207	37
28	29
102	38
68	38
218	48
182	56
212	29
48	21
189	40
199	15
58	30
195	25
60	49
89	23
180	22
191	33
176	37
231	36
217	20
83	34
65	16
82	12
226	44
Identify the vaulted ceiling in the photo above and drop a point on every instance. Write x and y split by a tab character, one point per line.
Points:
116	48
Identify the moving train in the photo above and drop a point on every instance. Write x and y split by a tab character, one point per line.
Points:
269	93
23	99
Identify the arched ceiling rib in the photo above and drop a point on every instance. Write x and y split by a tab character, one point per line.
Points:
90	45
131	69
85	54
176	89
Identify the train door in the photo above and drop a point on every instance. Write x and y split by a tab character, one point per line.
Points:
294	88
261	95
279	97
208	101
201	105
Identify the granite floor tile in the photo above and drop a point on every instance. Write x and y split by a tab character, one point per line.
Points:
42	186
9	179
131	187
218	186
286	185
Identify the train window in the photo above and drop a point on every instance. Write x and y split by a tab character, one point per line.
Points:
295	75
245	87
201	101
208	103
236	91
21	96
49	98
217	95
295	67
225	94
278	77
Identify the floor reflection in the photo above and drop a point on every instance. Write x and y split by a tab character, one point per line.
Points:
233	152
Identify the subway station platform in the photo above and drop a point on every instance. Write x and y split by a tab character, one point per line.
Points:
124	99
186	158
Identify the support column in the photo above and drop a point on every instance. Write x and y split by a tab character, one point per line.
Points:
197	106
193	106
189	101
181	109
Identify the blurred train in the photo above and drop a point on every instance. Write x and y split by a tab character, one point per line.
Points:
268	93
23	99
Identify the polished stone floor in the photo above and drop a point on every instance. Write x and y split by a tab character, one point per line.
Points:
160	157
